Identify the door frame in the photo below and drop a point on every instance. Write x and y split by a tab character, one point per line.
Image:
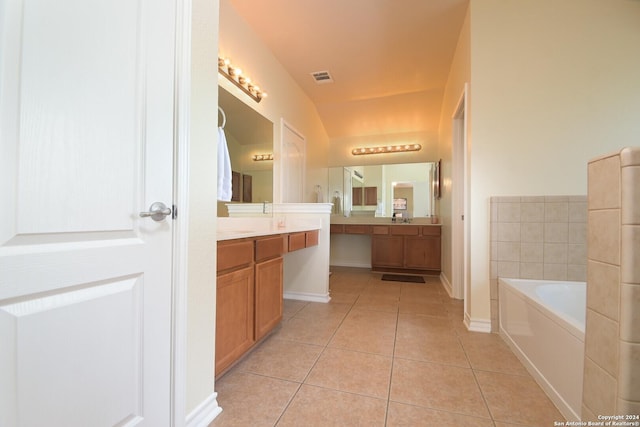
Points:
182	119
460	201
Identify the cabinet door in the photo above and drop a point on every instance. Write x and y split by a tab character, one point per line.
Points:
235	186
422	252
356	193
371	196
234	316
387	251
269	295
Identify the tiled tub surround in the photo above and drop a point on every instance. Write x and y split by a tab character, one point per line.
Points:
612	342
537	237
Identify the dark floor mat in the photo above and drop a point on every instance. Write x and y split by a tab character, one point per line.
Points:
402	278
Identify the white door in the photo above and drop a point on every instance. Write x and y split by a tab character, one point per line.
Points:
86	137
293	165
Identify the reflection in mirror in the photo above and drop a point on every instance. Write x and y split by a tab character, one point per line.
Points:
382	190
248	134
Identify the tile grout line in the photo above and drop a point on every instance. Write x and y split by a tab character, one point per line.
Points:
393	360
475	378
324	348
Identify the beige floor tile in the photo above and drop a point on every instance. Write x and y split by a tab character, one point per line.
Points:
436	386
346	287
383	289
318	310
424	325
423	307
343	298
488	352
352	371
438	348
517	399
403	342
400	414
315	406
251	400
366	331
499	424
291	307
284	359
377	303
426	290
308	331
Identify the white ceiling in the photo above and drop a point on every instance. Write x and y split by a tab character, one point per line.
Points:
389	59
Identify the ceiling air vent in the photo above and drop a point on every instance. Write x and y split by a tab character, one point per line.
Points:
322	77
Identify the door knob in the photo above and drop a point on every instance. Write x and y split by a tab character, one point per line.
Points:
157	211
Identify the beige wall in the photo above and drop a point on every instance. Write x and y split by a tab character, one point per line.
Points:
459	74
285	99
553	84
202	204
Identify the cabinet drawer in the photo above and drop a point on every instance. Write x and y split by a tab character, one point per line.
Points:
311	238
269	247
405	230
297	241
431	230
336	228
379	229
357	229
234	254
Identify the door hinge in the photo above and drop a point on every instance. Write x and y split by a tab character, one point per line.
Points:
174	212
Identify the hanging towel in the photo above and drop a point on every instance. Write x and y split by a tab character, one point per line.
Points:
224	168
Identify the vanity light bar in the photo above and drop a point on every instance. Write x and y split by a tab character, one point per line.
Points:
386	149
260	157
234	75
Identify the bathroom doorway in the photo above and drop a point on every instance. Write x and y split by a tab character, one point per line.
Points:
460	218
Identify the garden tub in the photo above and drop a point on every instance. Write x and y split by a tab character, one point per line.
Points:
543	322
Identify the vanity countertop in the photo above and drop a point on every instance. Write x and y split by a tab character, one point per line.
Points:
355	219
239	228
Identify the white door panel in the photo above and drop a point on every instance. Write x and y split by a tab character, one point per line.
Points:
86	143
293	164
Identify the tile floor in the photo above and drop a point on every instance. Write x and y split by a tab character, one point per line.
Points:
380	354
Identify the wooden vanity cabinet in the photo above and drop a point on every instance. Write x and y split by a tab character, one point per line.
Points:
387	251
268	284
249	291
234	316
249	295
268	294
422	252
410	248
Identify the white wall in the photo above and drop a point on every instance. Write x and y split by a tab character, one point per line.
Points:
553	84
459	74
202	204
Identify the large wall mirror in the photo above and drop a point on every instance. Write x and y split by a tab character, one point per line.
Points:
382	190
248	134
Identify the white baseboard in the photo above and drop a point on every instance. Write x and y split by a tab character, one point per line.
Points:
446	284
204	413
306	296
477	325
